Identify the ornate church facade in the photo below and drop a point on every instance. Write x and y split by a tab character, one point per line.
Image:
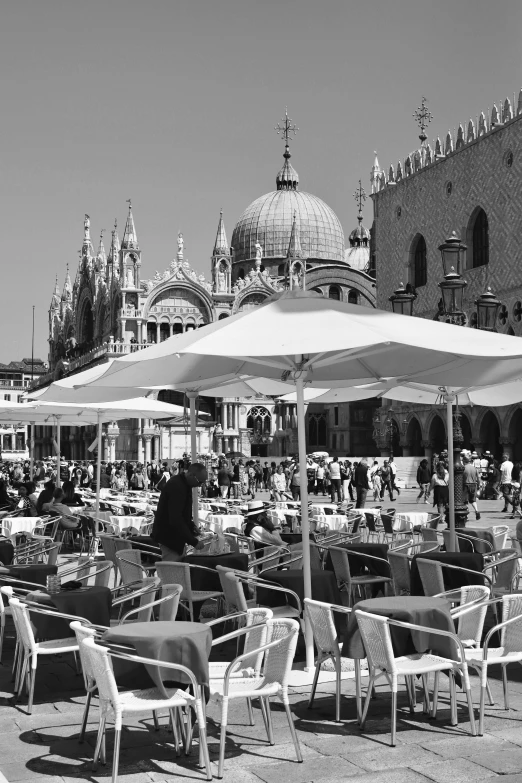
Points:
470	183
284	239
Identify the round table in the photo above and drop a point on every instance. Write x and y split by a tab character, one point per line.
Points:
35	574
324	587
203	580
185	643
452	579
90	603
6	552
359	564
429	612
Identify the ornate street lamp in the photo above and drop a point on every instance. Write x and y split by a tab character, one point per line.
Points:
402	300
452	287
487	310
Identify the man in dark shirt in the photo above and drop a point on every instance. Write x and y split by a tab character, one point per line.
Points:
360	480
173	526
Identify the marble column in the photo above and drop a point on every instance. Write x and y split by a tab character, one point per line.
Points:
157	333
507	447
112	448
230	417
283	416
13	441
106	447
140	449
427	445
148	439
172	441
224	408
157	452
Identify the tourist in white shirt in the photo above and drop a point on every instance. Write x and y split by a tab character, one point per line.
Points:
335	480
505	480
278	483
319	477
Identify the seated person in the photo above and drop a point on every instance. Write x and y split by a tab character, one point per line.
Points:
26	506
70	497
45	498
258	526
7	504
59	509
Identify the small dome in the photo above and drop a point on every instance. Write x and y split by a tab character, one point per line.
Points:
358	257
359	236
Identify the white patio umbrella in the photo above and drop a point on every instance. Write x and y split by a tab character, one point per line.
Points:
301	337
77	414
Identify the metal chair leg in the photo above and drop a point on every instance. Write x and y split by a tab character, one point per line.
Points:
393	718
293	732
314	684
116	756
505	687
85	717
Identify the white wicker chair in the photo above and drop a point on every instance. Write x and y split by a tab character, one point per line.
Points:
31	649
375	632
510	650
321	619
279	654
82	632
115	704
171	572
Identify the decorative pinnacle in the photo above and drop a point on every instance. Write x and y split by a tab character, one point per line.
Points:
287	130
423	117
360	198
130	204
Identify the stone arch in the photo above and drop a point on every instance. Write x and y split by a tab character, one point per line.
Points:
179	295
514	431
437	433
477	239
396	438
334	292
418	262
489	432
85	330
250	299
414	438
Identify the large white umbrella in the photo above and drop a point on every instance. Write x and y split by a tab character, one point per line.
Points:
301	337
78	414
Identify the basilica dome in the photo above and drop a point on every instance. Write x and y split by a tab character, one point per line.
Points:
269	219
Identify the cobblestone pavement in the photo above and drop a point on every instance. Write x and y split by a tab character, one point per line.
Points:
44	746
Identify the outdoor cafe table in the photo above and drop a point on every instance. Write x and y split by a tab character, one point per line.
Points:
36	573
324	587
358	562
215	522
185	643
90	603
406	520
18	525
6	552
429	612
203	580
452	579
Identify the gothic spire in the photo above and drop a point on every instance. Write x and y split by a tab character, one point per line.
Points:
130	238
115	246
55	299
67	287
101	256
294	246
221	245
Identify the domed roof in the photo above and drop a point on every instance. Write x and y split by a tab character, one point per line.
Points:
269	219
358	257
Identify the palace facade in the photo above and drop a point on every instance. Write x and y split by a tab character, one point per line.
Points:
470	183
284	239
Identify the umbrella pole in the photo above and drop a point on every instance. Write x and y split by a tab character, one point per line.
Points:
31	451
305	523
58	456
98	465
449	426
193	451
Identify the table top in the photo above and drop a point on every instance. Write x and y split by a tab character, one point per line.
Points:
358	564
185	643
36	573
324	587
418	610
89	603
452	579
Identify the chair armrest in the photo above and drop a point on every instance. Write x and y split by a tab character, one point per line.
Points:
154	662
272	586
438	631
244	656
234	634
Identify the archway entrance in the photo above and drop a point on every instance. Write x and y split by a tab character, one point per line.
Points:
489	435
437	435
515	432
414	438
86	325
396	439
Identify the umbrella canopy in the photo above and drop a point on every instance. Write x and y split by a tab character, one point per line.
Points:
73	389
302	337
330	343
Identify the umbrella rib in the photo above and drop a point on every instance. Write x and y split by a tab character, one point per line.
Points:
353	352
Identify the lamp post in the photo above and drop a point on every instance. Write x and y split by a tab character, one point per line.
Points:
452	287
402	300
487	310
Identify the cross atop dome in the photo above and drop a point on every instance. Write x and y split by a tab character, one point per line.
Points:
360	198
288	178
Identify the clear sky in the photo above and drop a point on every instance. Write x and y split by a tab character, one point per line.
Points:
173	102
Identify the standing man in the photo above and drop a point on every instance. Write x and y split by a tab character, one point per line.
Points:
505	480
335	480
173	525
236	480
360	479
223	479
387	481
319	478
393	468
471	482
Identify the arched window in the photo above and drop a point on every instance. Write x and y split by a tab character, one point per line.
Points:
479	236
418	265
241	273
334	292
353	297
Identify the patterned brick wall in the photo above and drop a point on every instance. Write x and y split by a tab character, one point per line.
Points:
479	177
